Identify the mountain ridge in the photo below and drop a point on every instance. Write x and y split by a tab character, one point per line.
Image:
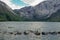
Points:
42	11
45	11
6	13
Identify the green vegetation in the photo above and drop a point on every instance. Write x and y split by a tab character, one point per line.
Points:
8	17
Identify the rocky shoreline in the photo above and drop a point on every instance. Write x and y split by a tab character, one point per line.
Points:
27	32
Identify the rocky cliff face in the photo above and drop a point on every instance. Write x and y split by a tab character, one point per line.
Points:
27	12
42	11
47	8
6	13
55	17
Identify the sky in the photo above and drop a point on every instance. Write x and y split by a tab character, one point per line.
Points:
17	4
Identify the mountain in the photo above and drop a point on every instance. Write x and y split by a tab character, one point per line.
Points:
45	11
7	14
47	8
41	12
27	13
55	17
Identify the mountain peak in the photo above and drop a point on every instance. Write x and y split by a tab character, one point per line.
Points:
47	7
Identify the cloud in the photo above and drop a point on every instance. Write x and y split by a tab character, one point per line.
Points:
13	6
32	2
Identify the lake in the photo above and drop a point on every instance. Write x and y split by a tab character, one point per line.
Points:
6	27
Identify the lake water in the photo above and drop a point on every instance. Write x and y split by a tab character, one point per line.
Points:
22	26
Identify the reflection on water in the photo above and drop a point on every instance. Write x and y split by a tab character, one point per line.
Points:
6	27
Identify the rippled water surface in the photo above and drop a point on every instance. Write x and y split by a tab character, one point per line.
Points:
22	26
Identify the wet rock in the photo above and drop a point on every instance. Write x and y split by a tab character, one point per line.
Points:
58	32
26	33
18	33
53	33
44	33
10	32
37	33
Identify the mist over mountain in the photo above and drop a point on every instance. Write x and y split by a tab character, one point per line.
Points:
44	11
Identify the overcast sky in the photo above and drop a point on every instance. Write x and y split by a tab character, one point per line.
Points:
16	4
